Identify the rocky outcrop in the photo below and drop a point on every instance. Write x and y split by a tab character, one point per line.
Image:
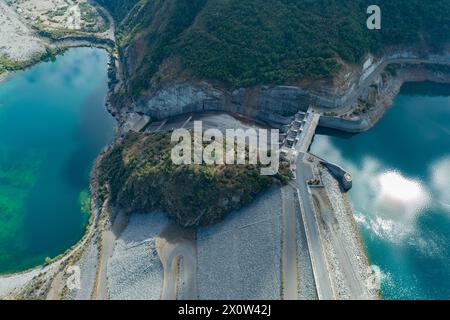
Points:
370	106
268	104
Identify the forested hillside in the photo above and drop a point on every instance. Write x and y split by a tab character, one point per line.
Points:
140	176
248	42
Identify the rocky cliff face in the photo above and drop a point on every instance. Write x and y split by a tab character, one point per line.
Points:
353	101
377	97
269	104
180	56
272	104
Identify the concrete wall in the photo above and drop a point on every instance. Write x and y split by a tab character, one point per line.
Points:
268	105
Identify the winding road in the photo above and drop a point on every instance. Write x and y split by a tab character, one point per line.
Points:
176	245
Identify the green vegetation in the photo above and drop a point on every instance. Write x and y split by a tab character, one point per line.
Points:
85	202
437	67
94	19
89	17
56	34
105	21
17	176
140	176
392	69
7	64
118	8
58	12
244	43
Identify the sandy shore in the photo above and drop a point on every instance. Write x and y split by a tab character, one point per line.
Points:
10	283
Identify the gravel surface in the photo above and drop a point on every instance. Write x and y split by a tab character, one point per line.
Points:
181	294
240	257
57	14
17	41
88	271
134	270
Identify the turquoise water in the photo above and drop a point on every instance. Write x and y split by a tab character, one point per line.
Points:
53	124
401	191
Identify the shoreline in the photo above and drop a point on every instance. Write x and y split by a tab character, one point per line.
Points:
96	223
94	220
382	99
47	41
4	76
69	41
360	261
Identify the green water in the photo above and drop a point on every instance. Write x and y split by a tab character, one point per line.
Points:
53	124
401	191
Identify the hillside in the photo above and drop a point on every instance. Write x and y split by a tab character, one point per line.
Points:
140	176
243	43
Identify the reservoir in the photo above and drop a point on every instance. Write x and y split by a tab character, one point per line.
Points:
400	195
53	124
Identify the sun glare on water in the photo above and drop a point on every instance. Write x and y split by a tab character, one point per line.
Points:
400	197
394	185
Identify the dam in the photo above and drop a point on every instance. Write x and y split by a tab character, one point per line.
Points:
307	213
315	210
